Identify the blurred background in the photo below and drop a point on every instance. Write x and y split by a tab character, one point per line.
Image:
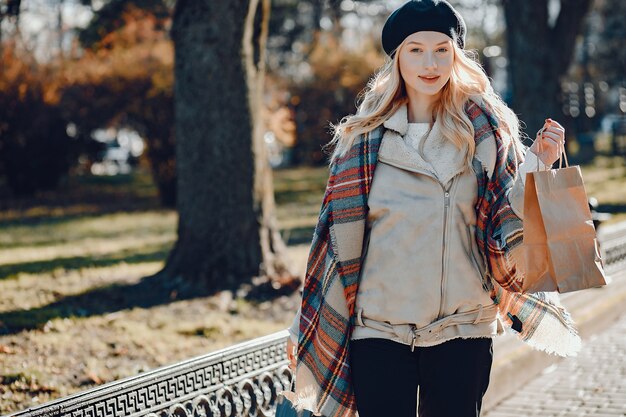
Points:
89	204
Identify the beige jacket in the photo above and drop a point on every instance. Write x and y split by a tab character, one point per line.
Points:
422	277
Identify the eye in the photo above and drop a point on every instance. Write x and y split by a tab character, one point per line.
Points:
416	50
442	50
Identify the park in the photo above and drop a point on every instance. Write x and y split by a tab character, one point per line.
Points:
162	169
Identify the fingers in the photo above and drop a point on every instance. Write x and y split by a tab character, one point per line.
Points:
554	133
552	128
554	137
547	141
551	147
554	123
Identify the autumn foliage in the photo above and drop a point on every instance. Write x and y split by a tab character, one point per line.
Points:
126	80
338	75
120	73
35	150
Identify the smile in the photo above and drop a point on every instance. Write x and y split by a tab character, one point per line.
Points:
429	80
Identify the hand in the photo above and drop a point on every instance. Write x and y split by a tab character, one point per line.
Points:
291	354
551	137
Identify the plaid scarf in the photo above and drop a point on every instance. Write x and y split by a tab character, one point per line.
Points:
323	380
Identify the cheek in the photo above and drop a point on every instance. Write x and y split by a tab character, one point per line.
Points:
402	68
446	66
406	70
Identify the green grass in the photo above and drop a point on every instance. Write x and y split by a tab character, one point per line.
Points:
65	231
65	256
78	230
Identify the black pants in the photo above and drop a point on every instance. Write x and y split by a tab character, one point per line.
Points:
452	377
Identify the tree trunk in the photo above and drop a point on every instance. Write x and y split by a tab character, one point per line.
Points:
227	231
540	55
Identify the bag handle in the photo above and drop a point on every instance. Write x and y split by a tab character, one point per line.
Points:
562	153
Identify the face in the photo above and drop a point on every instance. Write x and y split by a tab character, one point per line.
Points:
426	63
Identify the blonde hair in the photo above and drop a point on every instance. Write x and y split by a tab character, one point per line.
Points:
385	93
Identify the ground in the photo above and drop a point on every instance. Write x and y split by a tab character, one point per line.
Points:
70	261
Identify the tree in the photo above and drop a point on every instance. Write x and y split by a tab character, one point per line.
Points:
227	231
540	54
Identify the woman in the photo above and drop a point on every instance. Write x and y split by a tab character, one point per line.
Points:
413	264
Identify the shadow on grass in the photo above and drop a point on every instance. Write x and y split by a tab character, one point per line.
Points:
149	254
75	213
86	195
102	300
151	291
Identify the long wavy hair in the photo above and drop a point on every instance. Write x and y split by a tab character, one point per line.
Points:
386	92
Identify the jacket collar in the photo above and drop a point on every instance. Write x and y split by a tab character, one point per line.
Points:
485	150
399	120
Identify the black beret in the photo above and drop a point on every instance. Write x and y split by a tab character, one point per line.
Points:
419	15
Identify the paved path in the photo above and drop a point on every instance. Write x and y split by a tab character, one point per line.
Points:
591	384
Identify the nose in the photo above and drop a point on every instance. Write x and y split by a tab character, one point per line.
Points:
430	61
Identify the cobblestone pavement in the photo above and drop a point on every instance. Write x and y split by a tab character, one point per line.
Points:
591	384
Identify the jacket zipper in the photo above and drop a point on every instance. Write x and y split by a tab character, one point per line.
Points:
446	206
445	225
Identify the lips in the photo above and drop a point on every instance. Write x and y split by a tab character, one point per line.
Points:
429	79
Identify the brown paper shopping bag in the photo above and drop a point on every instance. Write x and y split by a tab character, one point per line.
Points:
560	244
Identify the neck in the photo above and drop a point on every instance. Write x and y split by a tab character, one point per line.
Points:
419	107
